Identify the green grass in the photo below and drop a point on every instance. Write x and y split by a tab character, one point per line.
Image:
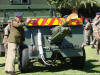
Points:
92	67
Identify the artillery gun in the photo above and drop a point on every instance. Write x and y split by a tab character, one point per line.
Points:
49	37
58	33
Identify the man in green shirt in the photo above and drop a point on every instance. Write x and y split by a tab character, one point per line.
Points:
16	38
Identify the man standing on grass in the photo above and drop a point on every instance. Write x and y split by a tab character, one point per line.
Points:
95	22
6	34
98	38
96	31
88	31
15	39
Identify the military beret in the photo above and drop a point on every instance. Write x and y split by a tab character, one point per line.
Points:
65	16
9	21
18	14
97	13
87	18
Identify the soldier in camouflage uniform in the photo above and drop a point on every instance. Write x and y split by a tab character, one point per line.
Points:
95	22
16	38
88	31
6	34
98	38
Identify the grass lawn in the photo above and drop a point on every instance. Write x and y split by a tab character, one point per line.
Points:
92	67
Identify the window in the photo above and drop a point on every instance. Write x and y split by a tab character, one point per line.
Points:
20	2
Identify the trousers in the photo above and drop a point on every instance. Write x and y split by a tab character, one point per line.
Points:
11	56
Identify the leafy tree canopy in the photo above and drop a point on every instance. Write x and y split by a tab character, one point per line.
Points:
74	4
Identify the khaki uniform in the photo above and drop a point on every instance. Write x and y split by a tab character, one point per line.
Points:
17	33
88	32
6	34
94	31
95	26
16	37
98	40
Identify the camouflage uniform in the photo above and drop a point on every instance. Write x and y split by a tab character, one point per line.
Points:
6	34
98	40
88	32
94	27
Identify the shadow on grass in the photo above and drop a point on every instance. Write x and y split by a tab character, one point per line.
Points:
88	68
2	65
57	68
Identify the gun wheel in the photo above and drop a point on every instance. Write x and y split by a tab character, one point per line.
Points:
78	62
23	58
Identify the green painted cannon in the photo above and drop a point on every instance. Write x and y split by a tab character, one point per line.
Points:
45	43
58	33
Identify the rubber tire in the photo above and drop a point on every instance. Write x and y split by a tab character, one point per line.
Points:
78	62
23	58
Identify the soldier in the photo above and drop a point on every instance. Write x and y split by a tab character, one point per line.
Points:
16	38
94	26
87	31
98	38
6	34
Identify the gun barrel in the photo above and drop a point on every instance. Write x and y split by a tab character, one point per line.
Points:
59	33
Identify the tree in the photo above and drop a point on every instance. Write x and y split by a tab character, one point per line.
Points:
73	4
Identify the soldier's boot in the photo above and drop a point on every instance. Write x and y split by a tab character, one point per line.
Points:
92	46
87	43
10	72
98	52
